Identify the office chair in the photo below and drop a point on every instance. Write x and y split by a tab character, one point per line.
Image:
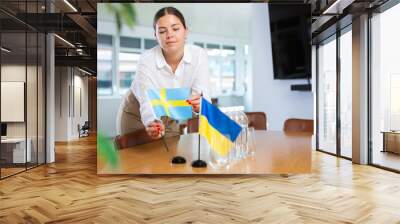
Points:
137	137
258	120
298	125
84	130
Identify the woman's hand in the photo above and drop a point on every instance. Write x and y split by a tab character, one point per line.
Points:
195	102
155	129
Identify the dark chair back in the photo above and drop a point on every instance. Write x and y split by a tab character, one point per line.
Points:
193	125
137	137
258	120
299	125
86	126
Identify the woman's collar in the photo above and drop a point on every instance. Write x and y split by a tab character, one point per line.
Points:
161	62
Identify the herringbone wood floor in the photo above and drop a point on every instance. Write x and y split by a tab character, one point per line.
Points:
69	191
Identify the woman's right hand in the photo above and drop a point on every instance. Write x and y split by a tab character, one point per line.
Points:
155	129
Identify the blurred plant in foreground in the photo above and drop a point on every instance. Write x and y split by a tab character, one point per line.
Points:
124	14
107	152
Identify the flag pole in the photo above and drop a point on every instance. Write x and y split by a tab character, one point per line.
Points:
165	143
199	163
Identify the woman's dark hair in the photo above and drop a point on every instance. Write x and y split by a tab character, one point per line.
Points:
168	11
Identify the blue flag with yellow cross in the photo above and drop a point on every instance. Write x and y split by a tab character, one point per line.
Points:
171	102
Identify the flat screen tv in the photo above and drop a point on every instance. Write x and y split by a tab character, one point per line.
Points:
291	40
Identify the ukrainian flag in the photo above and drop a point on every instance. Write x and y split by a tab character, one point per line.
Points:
219	130
171	103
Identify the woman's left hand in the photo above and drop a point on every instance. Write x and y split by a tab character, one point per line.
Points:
195	102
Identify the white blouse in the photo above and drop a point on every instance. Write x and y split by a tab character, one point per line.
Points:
154	72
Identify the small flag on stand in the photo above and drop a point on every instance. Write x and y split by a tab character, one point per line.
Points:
171	103
219	130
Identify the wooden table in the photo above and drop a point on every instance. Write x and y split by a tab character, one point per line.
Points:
276	153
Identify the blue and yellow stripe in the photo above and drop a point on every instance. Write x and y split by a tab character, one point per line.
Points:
171	103
219	130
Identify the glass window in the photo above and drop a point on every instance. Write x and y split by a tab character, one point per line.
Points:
227	68
104	41
385	88
395	102
104	59
149	43
22	76
128	62
130	42
346	93
199	44
228	71
128	58
213	53
228	50
327	95
222	62
32	100
17	154
212	46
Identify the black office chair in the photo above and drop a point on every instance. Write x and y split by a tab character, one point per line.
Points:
84	130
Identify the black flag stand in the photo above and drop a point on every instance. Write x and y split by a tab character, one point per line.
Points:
199	163
178	160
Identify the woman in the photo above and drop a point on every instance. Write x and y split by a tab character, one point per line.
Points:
171	64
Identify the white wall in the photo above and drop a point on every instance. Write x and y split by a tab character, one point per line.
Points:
80	82
12	73
107	110
61	103
273	97
232	22
67	81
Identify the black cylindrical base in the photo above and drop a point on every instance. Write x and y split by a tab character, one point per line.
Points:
178	160
199	163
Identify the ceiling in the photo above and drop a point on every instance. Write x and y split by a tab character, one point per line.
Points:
74	22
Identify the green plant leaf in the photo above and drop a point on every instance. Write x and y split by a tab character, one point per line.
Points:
128	14
106	151
124	14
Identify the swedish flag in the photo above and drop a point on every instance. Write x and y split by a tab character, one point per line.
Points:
171	103
219	130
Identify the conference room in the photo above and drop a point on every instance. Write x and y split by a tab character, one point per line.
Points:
240	64
60	110
22	100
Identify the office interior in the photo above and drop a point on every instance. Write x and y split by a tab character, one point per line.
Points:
49	71
237	70
46	80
